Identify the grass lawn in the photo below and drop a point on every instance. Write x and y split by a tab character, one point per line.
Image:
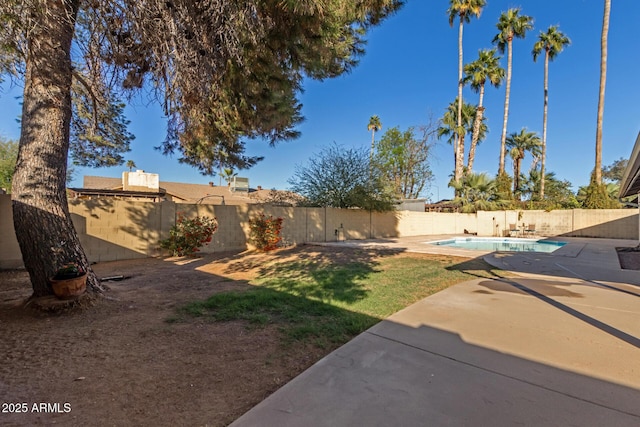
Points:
326	301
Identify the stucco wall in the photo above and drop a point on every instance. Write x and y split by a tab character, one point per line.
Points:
114	229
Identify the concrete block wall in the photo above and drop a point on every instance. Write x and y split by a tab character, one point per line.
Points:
314	224
410	223
614	223
385	225
114	229
350	224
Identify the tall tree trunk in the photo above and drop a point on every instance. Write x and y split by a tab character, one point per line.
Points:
503	138
476	131
597	171
456	138
544	123
460	147
373	141
373	144
516	178
40	211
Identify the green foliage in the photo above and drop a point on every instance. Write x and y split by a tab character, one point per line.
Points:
374	124
449	122
485	68
188	235
552	42
615	171
476	192
403	160
520	143
265	232
236	75
69	270
99	134
596	196
464	10
557	195
342	178
503	186
8	156
228	174
511	25
253	93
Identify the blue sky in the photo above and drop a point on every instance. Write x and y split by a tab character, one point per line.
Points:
409	73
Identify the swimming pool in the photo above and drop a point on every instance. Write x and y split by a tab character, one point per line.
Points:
501	244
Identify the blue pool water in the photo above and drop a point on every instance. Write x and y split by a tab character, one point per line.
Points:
500	244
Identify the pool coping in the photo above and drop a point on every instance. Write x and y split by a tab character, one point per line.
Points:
498	239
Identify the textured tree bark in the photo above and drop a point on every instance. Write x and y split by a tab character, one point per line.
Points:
41	216
476	131
459	163
597	170
516	174
505	118
544	123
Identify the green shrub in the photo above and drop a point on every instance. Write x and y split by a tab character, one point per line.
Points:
597	197
265	232
188	235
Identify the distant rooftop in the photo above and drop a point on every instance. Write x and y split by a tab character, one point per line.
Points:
179	192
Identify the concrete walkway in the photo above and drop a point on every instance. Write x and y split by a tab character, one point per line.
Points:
557	345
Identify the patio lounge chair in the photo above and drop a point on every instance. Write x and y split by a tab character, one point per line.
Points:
530	230
513	230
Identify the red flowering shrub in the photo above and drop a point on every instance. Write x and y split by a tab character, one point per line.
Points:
265	232
188	235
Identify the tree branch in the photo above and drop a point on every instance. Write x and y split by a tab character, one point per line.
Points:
94	100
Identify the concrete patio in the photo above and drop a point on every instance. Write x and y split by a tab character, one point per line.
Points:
556	345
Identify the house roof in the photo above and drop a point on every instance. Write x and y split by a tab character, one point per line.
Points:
630	184
196	193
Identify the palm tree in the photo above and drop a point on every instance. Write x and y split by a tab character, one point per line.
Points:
597	171
477	191
559	193
448	124
374	126
520	143
552	43
511	24
464	10
131	164
486	67
228	174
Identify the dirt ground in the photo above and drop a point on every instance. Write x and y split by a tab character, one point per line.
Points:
121	363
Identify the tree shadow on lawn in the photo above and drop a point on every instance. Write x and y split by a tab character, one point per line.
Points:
316	272
298	318
297	289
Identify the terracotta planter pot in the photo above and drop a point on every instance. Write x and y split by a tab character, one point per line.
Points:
69	288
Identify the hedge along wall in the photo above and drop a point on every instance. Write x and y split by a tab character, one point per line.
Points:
112	229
